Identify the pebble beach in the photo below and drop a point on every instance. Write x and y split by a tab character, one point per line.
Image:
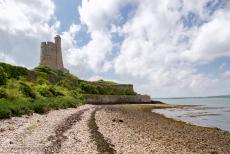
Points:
108	129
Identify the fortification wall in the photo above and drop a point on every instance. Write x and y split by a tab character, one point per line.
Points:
128	87
116	99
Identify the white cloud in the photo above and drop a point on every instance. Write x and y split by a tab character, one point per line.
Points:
93	54
150	39
23	25
20	16
98	17
212	40
156	43
68	38
6	59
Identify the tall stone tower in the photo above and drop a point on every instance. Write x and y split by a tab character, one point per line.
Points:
51	54
59	60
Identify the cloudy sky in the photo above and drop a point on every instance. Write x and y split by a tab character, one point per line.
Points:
166	48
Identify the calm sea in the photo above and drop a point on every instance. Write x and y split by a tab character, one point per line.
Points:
210	112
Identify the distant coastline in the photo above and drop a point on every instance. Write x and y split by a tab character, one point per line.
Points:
225	96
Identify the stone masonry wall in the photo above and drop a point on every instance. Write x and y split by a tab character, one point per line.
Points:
51	54
59	60
128	87
116	99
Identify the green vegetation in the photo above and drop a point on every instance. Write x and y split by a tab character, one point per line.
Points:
27	90
2	76
24	91
13	71
25	106
102	88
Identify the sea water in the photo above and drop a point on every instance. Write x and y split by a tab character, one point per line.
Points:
209	112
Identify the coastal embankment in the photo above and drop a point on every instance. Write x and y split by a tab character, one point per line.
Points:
108	129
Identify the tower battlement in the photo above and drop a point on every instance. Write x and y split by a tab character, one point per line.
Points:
51	54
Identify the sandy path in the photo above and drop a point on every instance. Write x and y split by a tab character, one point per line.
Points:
78	137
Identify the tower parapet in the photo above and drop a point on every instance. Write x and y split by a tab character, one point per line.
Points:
51	54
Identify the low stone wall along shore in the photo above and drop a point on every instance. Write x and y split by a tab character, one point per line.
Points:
116	99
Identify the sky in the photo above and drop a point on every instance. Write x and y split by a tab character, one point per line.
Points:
166	48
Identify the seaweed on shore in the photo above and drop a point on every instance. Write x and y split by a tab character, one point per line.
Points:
102	145
58	138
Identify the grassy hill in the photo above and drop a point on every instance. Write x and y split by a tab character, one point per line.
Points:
24	91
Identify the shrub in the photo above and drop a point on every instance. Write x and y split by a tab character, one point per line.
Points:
55	91
14	71
45	69
27	90
21	106
44	90
102	82
69	84
49	91
102	88
3	78
3	93
75	94
88	88
42	81
42	75
5	113
39	107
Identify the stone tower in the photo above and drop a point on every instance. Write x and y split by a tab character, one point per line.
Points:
51	54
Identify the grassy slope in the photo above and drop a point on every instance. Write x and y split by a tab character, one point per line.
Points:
24	91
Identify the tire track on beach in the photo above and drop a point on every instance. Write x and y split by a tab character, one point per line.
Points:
58	138
102	145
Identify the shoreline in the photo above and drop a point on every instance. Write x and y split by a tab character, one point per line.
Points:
151	107
169	135
187	113
130	128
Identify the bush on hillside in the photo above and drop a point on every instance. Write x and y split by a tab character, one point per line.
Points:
69	84
3	78
3	93
76	94
103	82
26	106
44	90
102	89
49	91
45	69
39	107
88	88
41	81
55	91
5	113
14	71
27	90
